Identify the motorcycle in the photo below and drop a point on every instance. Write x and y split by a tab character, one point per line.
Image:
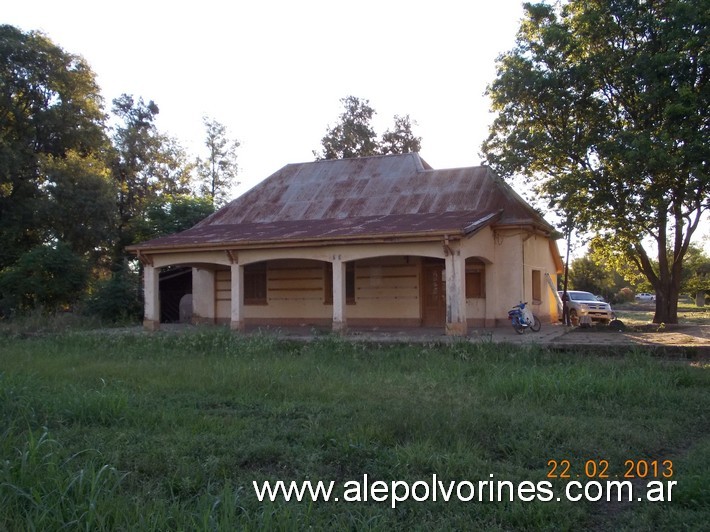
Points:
522	318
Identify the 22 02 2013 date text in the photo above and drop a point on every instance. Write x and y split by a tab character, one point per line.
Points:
601	468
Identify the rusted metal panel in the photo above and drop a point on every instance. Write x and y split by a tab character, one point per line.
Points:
362	226
371	196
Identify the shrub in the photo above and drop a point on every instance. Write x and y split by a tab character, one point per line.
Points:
624	295
117	298
51	278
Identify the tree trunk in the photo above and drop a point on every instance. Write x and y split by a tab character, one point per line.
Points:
667	304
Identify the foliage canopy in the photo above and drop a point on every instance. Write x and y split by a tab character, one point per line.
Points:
47	277
74	193
218	171
354	136
605	104
51	116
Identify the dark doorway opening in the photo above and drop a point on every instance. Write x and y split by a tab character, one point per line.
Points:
174	284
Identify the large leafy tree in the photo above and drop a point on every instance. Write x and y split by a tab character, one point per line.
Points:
218	171
79	203
354	136
586	274
146	165
166	215
696	274
401	138
51	117
605	104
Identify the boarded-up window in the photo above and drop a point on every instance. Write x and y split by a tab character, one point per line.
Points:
537	286
475	279
255	284
349	283
328	283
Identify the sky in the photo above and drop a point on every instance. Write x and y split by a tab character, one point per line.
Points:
274	71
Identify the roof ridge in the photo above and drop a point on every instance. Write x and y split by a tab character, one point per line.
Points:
420	163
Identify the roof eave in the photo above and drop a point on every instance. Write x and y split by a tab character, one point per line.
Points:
474	227
542	229
386	238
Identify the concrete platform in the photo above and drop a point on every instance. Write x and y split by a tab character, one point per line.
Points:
680	340
683	341
688	340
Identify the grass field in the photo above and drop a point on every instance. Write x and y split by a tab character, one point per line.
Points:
168	431
636	314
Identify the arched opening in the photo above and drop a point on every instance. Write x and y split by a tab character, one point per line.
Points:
385	291
175	285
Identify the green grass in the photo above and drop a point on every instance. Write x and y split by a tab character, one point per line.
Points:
126	431
638	314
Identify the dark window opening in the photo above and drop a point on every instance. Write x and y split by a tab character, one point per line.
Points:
255	284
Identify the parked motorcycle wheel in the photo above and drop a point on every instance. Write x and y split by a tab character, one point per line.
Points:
519	327
536	325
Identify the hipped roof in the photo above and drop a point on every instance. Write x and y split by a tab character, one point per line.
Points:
389	196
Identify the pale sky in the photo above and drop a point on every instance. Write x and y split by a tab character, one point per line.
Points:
273	71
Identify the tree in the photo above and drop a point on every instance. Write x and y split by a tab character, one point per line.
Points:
167	215
587	275
353	136
218	172
80	203
50	109
401	139
605	104
696	273
135	141
146	165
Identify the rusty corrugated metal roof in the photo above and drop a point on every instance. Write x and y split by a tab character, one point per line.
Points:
357	227
361	197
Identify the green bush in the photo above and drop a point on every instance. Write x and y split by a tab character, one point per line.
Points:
117	298
625	295
50	278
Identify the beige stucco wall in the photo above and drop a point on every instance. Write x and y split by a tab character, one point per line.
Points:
386	290
387	279
505	251
295	291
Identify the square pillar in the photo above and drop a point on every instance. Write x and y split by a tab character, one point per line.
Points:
237	305
491	294
203	296
456	294
339	297
151	295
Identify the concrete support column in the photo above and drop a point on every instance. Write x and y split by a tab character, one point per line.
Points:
203	296
339	297
456	294
151	294
237	314
491	294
